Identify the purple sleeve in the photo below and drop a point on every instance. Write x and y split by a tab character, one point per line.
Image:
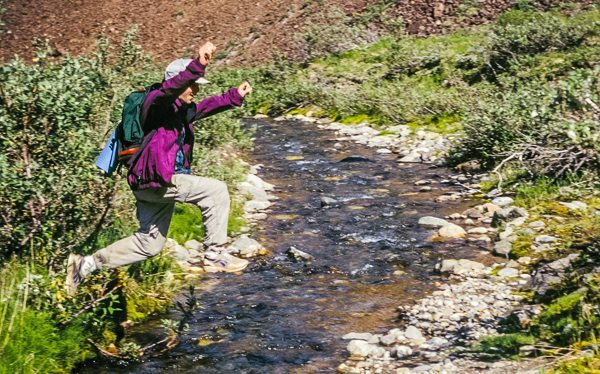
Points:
171	88
216	104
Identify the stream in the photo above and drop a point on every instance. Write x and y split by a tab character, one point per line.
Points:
286	316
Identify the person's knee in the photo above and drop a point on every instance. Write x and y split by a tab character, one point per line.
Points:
154	244
222	193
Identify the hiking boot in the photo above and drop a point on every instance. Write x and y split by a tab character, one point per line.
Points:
223	262
78	267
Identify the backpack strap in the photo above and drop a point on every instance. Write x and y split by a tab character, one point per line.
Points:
141	148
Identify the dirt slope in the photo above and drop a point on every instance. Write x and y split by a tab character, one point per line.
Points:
250	30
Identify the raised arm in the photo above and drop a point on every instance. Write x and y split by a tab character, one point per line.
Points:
171	88
229	99
219	103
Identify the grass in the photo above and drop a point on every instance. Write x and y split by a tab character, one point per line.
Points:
30	340
504	345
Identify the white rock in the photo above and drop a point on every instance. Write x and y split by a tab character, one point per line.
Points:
402	351
508	273
254	205
575	205
452	231
502	201
360	348
477	230
432	222
414	335
245	247
358	336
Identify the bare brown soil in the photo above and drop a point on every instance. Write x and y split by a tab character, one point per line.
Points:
249	30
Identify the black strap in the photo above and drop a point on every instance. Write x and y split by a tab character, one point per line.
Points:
142	146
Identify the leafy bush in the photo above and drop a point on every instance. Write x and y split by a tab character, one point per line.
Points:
518	33
53	118
507	344
530	125
332	32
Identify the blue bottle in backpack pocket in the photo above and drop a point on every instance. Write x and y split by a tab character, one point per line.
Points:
108	161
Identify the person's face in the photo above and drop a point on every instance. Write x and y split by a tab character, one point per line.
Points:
187	96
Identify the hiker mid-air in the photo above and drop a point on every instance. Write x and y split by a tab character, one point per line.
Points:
160	175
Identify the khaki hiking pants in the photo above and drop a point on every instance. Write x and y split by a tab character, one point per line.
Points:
154	211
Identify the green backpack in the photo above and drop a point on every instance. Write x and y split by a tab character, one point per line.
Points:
126	140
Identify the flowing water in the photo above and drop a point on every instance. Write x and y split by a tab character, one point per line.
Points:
282	316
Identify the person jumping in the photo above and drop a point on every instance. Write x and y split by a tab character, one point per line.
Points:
160	174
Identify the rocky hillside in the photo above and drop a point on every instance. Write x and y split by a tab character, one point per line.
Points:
249	32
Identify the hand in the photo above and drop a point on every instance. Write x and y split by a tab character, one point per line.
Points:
244	89
205	53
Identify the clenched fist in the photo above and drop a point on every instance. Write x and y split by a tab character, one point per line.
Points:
205	52
244	89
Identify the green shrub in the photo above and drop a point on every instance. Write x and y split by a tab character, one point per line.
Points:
53	115
506	344
332	31
518	33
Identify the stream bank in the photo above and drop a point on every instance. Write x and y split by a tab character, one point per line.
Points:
356	213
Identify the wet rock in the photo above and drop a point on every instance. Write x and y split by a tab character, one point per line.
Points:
246	247
575	205
503	201
432	222
358	336
328	201
299	255
452	231
355	159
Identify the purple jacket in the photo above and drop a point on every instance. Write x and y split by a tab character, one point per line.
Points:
164	112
